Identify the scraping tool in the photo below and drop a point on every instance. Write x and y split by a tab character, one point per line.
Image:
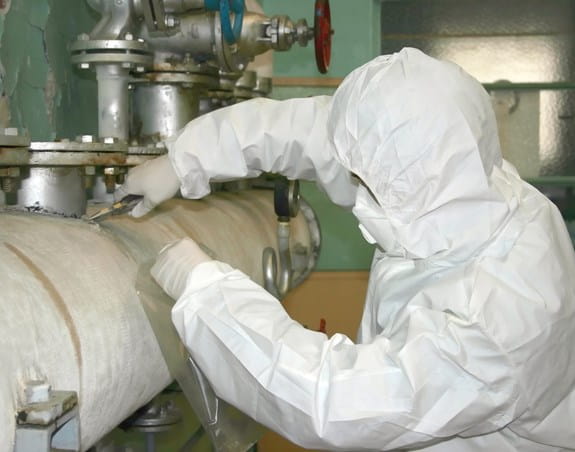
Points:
122	206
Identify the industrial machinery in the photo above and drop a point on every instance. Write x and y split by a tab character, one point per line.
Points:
87	338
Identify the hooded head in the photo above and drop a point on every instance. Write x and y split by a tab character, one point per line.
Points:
421	135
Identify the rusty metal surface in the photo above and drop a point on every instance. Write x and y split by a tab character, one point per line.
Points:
78	154
74	146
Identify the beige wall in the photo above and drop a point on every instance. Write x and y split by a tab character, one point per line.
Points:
335	296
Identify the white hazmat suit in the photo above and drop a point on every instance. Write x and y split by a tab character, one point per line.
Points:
467	341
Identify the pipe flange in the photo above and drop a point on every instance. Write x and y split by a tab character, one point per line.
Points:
14	137
129	53
155	417
85	143
193	80
85	151
152	150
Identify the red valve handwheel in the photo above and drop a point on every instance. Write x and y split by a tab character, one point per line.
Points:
322	35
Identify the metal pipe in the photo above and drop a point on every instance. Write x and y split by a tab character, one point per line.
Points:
159	110
57	190
113	101
71	307
284	279
117	18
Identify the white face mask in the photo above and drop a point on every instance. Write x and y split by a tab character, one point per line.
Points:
374	226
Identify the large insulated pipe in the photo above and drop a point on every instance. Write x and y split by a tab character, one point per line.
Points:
71	307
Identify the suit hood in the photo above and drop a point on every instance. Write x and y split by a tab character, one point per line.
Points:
421	135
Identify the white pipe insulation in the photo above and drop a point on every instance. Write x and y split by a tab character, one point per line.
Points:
71	306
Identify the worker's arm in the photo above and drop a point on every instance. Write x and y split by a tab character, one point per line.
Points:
261	135
440	377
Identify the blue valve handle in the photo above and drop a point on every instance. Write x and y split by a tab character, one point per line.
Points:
231	32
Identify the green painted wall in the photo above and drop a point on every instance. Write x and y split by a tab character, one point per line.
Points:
356	39
39	88
355	42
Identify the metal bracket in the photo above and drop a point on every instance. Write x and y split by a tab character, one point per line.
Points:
49	420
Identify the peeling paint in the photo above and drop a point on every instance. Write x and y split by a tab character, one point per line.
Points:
39	89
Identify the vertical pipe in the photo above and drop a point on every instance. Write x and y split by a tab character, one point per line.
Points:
57	190
113	106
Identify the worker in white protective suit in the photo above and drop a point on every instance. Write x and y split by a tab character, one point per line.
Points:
467	341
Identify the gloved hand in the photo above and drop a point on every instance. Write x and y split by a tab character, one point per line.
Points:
174	264
156	180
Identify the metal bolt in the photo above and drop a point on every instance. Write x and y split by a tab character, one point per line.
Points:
171	21
10	172
8	185
37	391
129	36
84	65
111	171
89	182
110	181
83	37
85	139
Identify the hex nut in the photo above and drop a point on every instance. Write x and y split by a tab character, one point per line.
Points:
86	139
111	171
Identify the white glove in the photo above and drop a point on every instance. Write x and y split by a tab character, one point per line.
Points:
175	262
156	180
